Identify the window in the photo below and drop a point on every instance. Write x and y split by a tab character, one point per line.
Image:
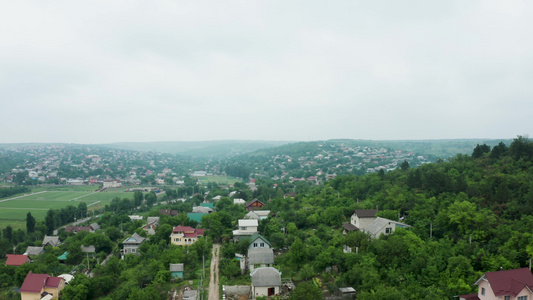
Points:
262	245
522	298
388	230
132	250
243	227
255	245
483	291
507	298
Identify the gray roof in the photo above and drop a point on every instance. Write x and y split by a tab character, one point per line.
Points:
190	295
52	240
152	220
261	256
95	226
201	209
31	250
88	249
349	227
366	213
135	239
379	223
176	267
266	276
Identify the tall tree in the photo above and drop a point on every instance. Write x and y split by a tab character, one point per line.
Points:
30	223
82	209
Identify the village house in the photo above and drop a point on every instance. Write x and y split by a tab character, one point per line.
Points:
32	251
37	286
254	204
131	245
16	259
185	236
151	224
366	221
247	227
257	214
516	284
176	271
266	281
52	241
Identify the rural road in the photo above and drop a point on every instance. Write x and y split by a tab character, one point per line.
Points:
213	278
23	196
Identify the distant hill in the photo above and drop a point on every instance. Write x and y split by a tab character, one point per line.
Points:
433	148
199	149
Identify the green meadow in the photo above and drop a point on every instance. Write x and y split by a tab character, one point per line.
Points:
38	203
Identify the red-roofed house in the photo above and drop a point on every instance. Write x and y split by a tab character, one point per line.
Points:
185	235
16	260
36	286
516	284
76	229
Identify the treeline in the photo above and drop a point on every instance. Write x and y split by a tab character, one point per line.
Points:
59	217
10	191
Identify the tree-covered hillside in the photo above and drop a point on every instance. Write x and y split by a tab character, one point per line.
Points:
469	216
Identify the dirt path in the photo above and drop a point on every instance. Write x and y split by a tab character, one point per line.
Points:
213	278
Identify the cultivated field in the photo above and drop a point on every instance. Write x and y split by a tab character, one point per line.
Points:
17	207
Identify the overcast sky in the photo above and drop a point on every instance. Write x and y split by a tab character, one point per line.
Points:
140	71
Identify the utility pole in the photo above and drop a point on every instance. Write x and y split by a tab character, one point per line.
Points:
430	230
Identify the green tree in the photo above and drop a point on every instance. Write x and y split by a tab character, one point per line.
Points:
82	209
306	291
30	223
298	253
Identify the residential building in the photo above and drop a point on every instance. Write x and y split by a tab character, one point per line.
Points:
366	221
257	214
266	281
168	212
254	204
16	259
132	244
32	251
516	284
76	229
151	224
111	183
247	227
37	286
185	235
260	257
259	241
52	241
176	271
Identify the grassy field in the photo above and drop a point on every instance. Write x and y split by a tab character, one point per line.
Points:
38	203
219	179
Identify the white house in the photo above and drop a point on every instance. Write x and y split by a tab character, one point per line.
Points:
247	227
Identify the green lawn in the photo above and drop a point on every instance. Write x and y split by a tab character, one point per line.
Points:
38	204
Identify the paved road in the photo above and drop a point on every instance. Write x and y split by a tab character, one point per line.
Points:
213	279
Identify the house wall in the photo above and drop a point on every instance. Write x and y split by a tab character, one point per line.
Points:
260	244
360	223
131	249
263	291
489	294
524	292
55	291
30	296
249	230
180	240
